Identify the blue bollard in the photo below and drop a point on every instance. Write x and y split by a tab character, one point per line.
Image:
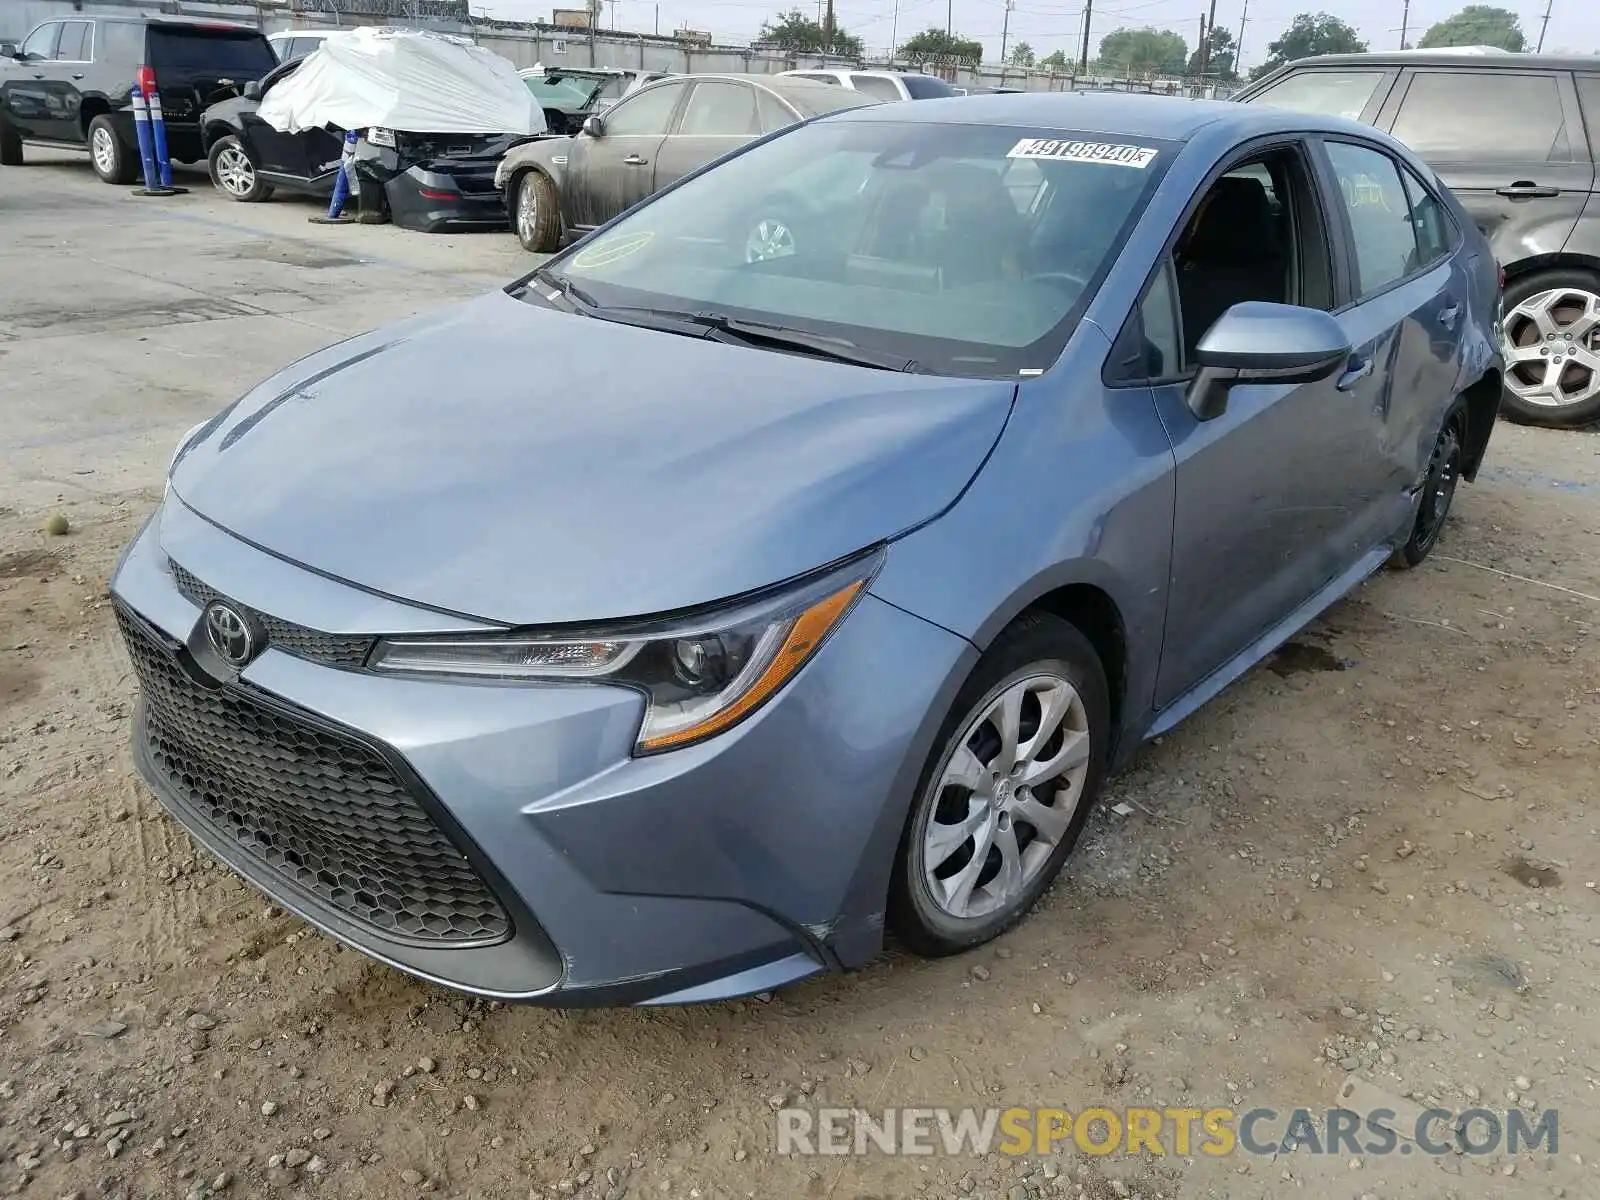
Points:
141	126
342	184
158	135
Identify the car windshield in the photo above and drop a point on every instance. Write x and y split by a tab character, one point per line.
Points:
969	249
565	93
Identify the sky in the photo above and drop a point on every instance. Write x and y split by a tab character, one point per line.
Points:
1047	25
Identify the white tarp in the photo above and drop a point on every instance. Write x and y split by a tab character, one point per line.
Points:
407	80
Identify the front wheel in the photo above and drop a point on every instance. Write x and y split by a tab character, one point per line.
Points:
1005	795
234	174
1438	490
537	211
1551	337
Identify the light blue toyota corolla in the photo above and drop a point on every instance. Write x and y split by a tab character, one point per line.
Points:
791	560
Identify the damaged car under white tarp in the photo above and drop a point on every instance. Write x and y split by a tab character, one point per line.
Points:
403	80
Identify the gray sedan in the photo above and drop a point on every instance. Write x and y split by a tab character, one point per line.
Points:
648	140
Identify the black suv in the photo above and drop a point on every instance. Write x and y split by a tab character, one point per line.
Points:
69	84
1516	137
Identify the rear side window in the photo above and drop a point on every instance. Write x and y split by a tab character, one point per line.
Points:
925	87
1458	116
1433	229
1589	98
876	87
774	115
1380	214
202	51
119	42
720	109
76	39
1331	93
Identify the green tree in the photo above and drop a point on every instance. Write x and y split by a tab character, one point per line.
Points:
1478	25
1219	65
935	45
1056	60
1022	55
1311	34
1143	52
798	33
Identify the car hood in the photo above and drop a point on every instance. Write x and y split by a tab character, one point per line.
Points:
526	466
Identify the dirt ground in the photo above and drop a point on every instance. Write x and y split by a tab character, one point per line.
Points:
1373	857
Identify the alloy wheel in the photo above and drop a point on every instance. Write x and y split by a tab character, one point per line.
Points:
1007	796
770	238
527	211
1552	348
104	149
235	171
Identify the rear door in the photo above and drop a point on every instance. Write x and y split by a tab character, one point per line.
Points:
1405	313
1509	144
720	116
610	173
25	84
197	65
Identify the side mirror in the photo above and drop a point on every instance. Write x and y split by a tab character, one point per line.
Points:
252	90
594	127
1256	342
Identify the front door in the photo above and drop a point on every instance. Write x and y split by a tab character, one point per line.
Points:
719	117
613	172
1509	144
26	82
1269	494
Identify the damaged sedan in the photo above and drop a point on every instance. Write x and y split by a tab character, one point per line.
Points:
435	116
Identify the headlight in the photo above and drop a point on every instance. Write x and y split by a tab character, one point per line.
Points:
183	445
700	675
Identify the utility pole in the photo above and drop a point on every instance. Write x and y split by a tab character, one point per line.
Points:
1238	42
1205	45
658	20
827	30
949	12
1405	22
1005	33
894	32
1088	16
1543	25
1200	50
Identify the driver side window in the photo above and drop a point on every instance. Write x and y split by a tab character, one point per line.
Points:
645	113
41	43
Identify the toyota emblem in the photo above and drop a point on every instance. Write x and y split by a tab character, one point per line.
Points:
230	634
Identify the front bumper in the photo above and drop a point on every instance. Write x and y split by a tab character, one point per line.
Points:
734	866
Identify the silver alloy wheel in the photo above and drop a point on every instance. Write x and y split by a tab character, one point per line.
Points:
1552	348
235	172
1007	796
527	210
770	238
104	148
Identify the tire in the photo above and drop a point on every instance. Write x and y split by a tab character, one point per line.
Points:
536	213
10	146
1440	479
1559	390
110	156
233	172
771	235
939	903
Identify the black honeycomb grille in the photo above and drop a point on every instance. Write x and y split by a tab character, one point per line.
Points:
308	807
333	649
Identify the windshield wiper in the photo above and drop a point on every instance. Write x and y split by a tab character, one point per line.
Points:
789	338
579	298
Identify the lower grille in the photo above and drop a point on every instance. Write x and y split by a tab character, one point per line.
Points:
331	649
307	807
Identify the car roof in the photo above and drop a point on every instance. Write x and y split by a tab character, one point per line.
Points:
1462	57
1170	118
197	22
808	95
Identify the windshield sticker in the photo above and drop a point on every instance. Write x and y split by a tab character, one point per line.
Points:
613	249
1113	153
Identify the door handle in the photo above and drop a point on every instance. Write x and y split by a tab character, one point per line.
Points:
1358	370
1447	316
1524	190
633	160
78	76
